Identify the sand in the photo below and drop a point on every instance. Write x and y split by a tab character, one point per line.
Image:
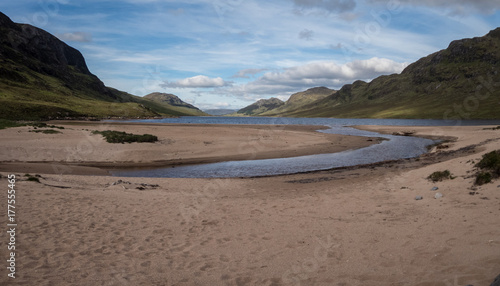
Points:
351	226
178	144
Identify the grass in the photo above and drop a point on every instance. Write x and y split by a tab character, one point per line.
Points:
123	137
440	175
489	168
4	123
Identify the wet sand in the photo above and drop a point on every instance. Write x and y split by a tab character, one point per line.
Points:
350	226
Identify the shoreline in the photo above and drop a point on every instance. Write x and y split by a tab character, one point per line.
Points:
103	168
179	144
357	225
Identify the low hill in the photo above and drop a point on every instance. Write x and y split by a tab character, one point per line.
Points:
41	77
173	102
460	82
260	107
299	100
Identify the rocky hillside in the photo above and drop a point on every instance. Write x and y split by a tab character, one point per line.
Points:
260	107
460	82
41	77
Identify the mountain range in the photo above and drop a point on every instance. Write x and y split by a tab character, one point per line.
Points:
41	77
460	82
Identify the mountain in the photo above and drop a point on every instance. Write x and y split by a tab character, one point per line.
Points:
460	82
260	107
41	77
219	112
300	99
171	100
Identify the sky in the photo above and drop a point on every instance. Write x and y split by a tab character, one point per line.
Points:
230	53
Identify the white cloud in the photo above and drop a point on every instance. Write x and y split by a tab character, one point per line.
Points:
76	37
329	70
199	81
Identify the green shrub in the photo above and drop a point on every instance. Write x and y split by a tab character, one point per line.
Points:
33	178
440	175
490	161
123	137
46	131
483	178
490	167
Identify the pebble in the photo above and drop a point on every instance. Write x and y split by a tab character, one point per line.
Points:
434	189
438	195
418	198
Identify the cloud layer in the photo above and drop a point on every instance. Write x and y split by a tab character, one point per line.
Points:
456	7
328	5
199	81
323	73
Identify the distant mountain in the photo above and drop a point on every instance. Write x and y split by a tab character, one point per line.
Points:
299	100
219	112
460	82
41	77
260	107
172	100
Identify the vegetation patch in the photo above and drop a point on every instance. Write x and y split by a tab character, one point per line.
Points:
440	175
4	123
34	178
493	128
43	125
483	178
123	137
489	168
46	131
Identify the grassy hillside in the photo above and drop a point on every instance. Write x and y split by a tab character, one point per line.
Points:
260	107
300	99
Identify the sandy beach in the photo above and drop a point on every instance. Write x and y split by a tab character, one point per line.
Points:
350	226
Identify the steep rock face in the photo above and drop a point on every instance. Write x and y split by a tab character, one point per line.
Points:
168	99
24	46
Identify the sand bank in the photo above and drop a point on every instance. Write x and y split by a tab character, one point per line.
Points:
178	144
352	226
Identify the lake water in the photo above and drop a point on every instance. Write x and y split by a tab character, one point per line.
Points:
396	147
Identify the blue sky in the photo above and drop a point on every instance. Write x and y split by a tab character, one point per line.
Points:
230	53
